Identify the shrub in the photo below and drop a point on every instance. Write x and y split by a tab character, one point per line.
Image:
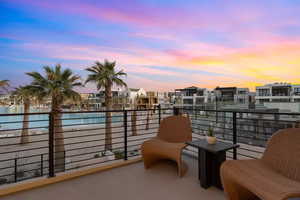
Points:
97	156
119	154
37	173
20	173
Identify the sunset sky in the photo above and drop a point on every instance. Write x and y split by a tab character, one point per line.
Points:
161	44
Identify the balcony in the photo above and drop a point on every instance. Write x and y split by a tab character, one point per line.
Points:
128	182
84	152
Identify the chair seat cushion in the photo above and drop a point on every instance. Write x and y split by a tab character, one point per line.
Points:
163	148
260	179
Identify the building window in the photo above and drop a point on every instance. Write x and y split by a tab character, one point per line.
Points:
264	100
281	100
187	101
280	91
297	91
200	93
263	92
241	100
199	100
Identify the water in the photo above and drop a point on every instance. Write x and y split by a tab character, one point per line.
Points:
42	121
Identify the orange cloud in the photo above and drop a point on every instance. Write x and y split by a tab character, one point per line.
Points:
245	67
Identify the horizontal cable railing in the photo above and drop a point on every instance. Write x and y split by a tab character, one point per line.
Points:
250	129
45	144
23	146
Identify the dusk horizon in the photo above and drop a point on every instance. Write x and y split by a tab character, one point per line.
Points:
160	45
149	99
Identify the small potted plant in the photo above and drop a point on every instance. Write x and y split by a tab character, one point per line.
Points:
210	137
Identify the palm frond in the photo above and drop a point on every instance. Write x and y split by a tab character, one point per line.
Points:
104	74
56	83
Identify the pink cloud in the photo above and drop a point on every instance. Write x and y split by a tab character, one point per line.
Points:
260	53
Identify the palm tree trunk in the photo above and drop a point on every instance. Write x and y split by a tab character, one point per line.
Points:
25	130
108	118
59	149
147	120
133	123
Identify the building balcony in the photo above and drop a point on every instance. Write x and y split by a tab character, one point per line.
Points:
85	169
188	97
281	96
263	97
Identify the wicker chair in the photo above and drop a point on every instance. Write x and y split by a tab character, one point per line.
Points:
276	176
173	132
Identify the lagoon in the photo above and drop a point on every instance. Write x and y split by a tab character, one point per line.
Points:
42	121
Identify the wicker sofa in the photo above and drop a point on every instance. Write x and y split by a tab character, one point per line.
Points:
276	176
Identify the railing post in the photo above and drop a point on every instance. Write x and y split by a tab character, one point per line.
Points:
234	134
125	134
42	164
51	145
159	113
16	170
217	114
64	161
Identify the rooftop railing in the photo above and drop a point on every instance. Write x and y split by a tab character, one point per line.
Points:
95	138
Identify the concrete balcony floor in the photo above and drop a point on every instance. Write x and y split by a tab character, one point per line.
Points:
131	182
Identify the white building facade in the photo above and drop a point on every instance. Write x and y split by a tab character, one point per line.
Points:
278	93
133	93
193	96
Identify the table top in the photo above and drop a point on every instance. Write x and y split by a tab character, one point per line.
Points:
214	148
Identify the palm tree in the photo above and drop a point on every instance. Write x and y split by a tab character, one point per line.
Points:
133	122
105	76
134	116
58	85
3	88
148	117
25	95
4	84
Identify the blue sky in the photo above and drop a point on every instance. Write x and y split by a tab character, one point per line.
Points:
162	45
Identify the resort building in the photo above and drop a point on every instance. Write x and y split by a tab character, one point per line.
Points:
133	93
5	99
277	92
192	96
296	93
97	100
234	95
127	98
162	98
94	101
282	96
153	99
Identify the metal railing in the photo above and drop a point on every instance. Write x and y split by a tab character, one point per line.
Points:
250	129
23	161
79	141
85	139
